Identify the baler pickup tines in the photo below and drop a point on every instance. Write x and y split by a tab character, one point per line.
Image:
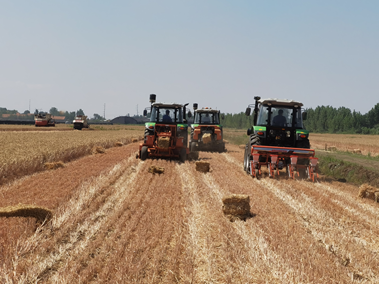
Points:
295	160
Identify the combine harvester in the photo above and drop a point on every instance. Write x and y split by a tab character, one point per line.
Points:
278	140
43	119
166	135
80	122
206	130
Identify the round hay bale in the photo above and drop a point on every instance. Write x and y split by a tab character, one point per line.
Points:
236	206
156	170
202	166
54	165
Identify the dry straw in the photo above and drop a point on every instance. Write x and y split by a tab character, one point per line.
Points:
368	191
207	138
236	206
40	213
98	150
164	142
134	140
156	170
118	144
53	166
202	166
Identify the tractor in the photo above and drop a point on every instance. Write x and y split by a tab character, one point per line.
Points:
166	134
279	140
43	119
206	130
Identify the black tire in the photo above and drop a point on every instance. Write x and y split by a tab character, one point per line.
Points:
246	165
144	153
193	147
182	155
254	140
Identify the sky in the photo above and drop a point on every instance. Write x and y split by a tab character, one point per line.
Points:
95	55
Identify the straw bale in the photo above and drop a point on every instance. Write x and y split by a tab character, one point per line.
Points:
53	166
357	151
202	166
118	144
236	206
134	140
98	150
207	138
368	191
156	170
332	148
164	142
21	210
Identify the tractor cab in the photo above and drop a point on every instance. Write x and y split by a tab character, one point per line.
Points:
207	116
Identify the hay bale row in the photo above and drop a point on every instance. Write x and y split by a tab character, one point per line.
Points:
368	191
236	206
202	166
40	213
164	142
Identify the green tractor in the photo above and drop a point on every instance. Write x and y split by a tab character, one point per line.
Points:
279	140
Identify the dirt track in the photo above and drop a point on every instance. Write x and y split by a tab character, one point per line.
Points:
115	222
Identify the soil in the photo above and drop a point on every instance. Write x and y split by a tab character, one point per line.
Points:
114	222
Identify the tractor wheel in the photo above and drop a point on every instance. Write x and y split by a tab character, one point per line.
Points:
254	140
246	165
182	155
193	147
144	153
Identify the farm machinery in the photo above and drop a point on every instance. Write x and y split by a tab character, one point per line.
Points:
206	130
166	134
279	140
43	119
80	122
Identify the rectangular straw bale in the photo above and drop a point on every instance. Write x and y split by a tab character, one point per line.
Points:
202	166
369	192
236	205
207	138
164	142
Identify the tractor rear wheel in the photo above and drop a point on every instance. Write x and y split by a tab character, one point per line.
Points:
183	155
144	153
246	164
193	146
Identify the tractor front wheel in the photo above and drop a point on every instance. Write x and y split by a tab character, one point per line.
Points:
144	153
183	155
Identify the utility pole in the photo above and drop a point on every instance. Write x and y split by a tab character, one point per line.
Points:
137	109
104	111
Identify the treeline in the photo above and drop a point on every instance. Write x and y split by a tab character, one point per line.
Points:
322	119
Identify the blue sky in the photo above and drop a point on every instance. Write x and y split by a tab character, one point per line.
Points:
84	54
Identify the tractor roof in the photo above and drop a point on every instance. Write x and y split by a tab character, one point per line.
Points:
282	102
207	110
167	105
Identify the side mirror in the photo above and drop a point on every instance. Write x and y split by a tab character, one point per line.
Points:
189	114
248	111
195	105
304	115
249	131
144	112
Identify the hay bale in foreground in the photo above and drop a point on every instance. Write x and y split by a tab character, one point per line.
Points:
156	170
53	166
236	206
202	166
98	150
134	140
368	191
40	213
164	142
207	138
118	144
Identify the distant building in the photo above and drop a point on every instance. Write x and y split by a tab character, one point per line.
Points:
129	120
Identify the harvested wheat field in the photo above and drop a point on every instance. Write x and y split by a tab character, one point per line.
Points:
114	222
